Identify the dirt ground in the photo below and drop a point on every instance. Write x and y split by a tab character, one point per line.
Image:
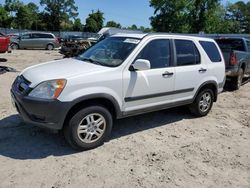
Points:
169	148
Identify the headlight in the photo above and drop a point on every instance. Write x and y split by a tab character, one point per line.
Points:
48	89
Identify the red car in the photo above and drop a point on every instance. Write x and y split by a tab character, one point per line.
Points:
4	43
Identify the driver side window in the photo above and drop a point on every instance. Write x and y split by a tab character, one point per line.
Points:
157	52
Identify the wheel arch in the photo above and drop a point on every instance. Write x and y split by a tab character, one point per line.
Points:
104	100
208	85
15	43
50	43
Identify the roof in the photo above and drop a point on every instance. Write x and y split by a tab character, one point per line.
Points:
131	35
141	36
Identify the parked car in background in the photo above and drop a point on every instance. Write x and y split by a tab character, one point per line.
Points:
71	38
4	43
13	35
122	75
236	52
32	40
73	45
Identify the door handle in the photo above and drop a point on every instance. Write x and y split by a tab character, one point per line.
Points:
167	74
202	70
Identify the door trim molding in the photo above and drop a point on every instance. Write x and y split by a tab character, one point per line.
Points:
142	97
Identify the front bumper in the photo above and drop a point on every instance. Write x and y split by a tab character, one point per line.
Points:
42	113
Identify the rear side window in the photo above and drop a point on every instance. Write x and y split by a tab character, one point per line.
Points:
187	53
211	50
157	52
42	35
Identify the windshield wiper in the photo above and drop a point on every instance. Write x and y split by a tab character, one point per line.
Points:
92	61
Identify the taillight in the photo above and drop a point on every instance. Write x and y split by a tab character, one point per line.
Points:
57	40
233	60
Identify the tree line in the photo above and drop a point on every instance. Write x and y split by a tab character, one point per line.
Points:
182	16
193	16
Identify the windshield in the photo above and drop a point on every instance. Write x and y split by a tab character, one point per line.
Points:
110	52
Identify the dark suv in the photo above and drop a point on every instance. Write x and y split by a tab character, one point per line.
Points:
33	40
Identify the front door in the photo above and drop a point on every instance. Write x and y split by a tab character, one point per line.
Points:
148	88
26	41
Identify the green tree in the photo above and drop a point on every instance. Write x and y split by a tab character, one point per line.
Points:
4	17
200	12
146	29
77	25
170	15
94	22
133	27
27	16
58	12
12	5
216	22
239	13
113	24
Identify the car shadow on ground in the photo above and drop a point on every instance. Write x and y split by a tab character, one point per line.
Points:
21	141
3	60
228	85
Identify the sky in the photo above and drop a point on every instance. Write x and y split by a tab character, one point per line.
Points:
126	12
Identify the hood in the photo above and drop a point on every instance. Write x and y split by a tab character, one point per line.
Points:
60	69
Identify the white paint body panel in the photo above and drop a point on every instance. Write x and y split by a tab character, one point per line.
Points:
85	78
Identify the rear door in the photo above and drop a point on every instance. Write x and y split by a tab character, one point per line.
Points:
189	69
37	40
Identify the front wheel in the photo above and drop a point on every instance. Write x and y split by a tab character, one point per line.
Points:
202	103
89	128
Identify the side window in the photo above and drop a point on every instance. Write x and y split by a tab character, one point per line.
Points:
211	50
26	36
187	53
157	52
35	36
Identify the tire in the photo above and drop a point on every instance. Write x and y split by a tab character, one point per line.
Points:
237	82
201	106
50	47
14	46
83	131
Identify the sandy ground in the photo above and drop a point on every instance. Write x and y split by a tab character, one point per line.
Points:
169	148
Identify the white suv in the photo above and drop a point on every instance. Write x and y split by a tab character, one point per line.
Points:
123	75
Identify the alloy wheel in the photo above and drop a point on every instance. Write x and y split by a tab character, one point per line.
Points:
91	128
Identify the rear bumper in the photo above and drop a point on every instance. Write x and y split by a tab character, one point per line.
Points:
42	113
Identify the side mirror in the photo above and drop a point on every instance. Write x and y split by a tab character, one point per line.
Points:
140	64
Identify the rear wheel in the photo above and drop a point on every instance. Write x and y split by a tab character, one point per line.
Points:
202	103
50	47
237	82
89	128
